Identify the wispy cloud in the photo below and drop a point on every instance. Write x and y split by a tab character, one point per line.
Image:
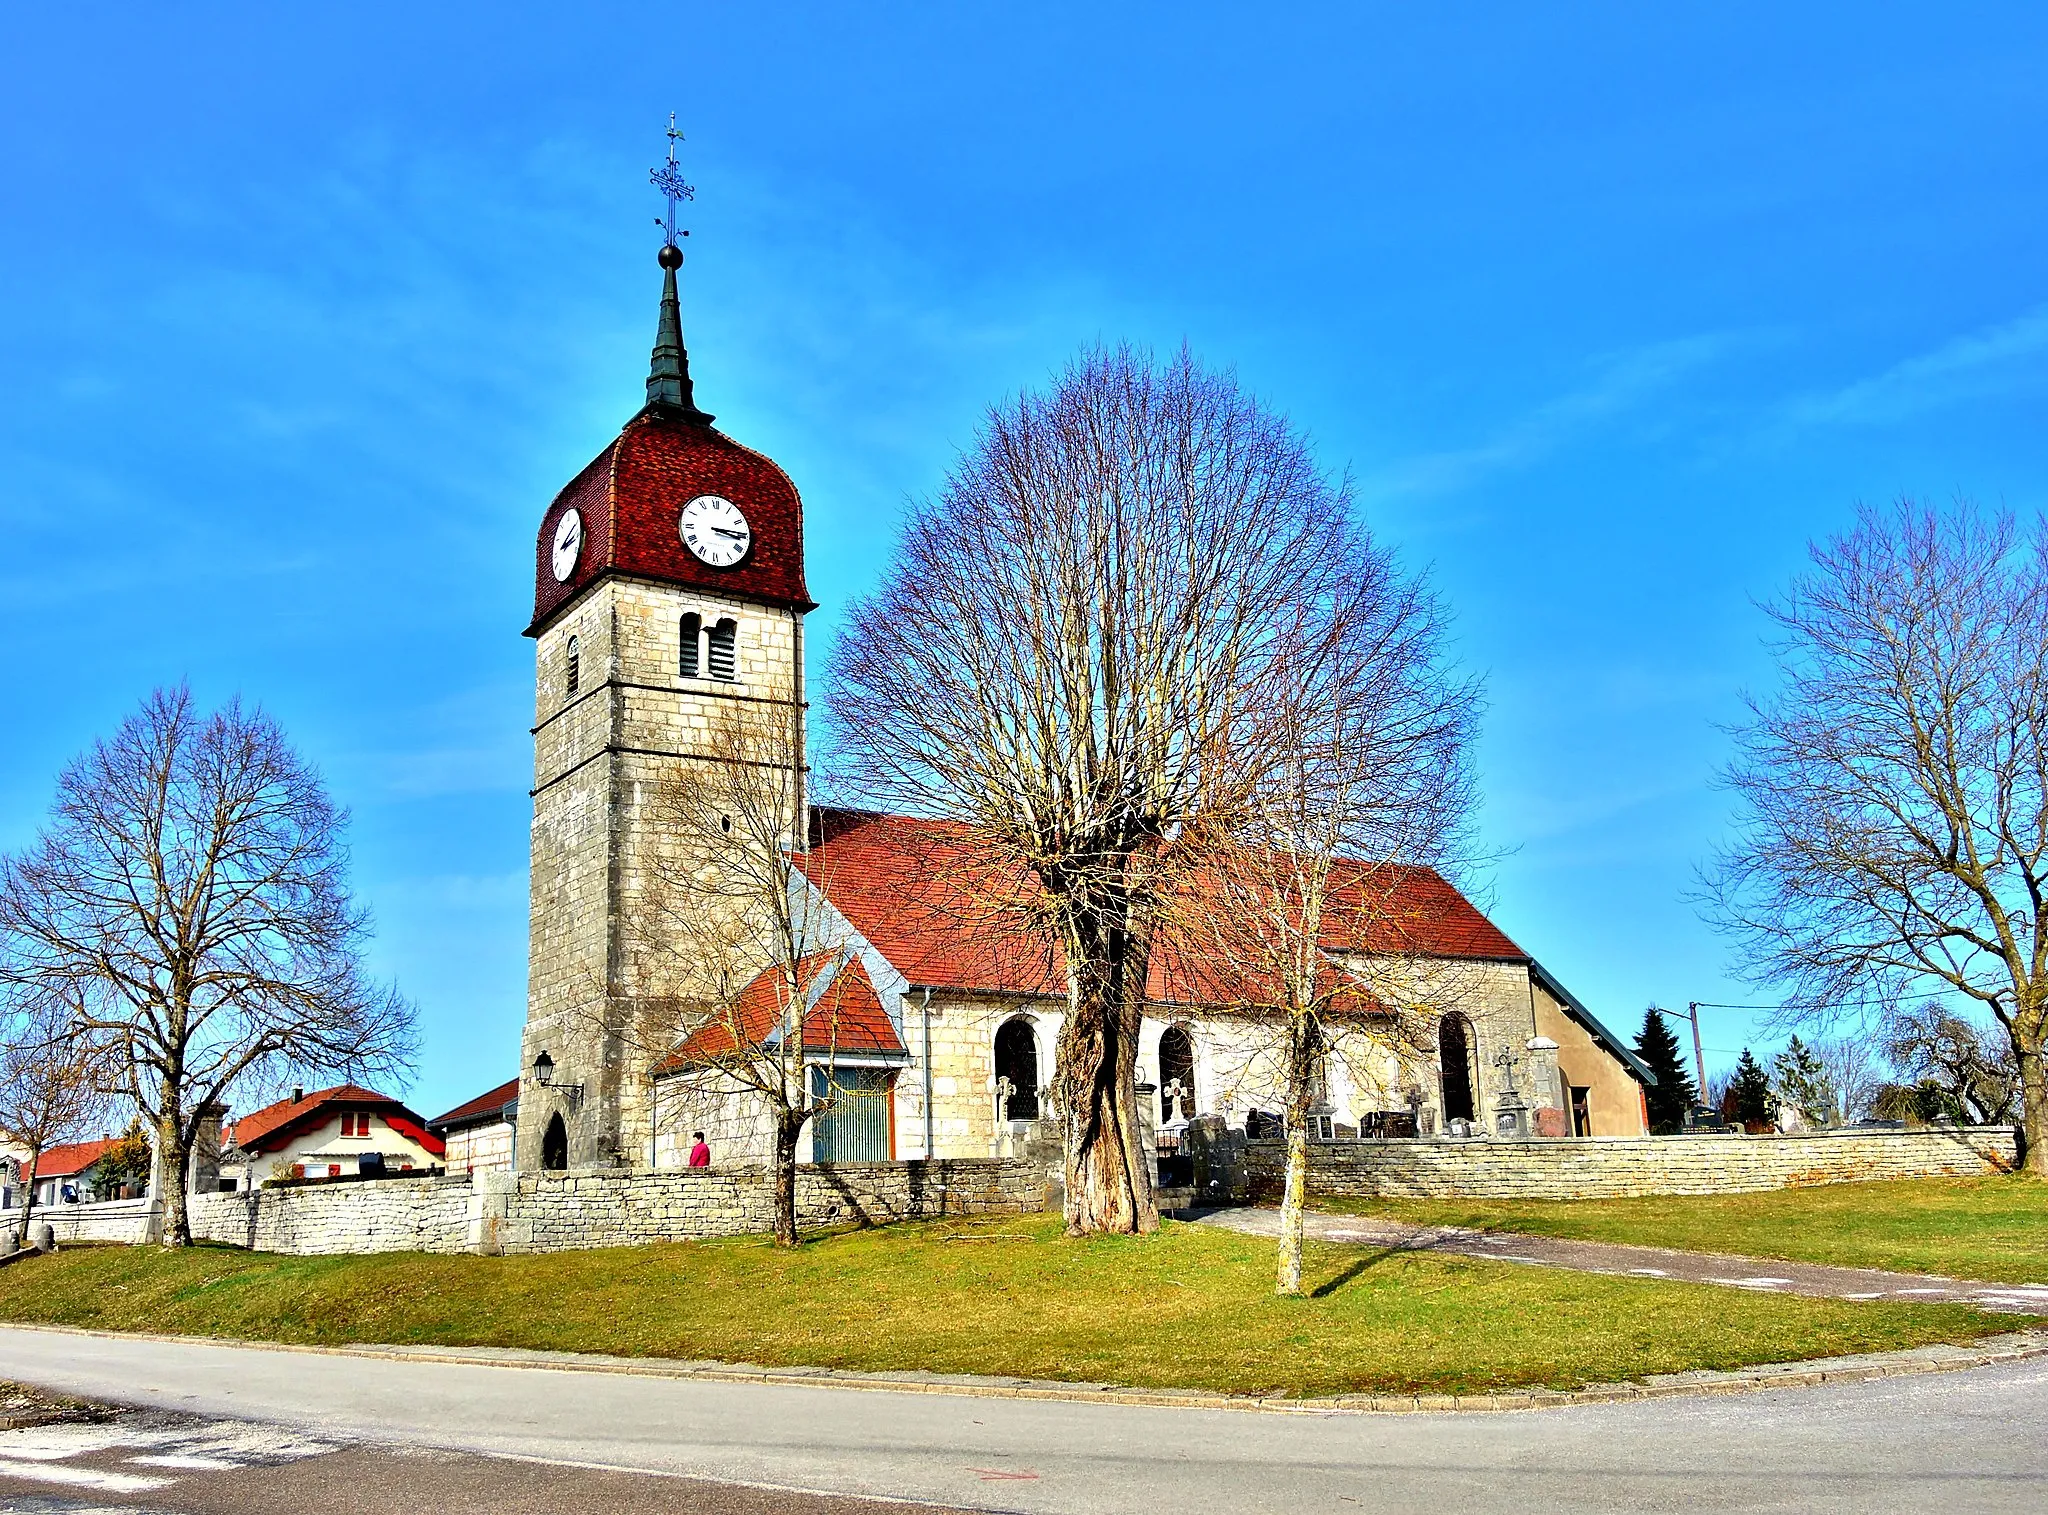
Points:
1988	361
1621	383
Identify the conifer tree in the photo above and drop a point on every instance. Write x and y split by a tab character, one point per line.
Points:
1802	1082
1749	1095
1673	1094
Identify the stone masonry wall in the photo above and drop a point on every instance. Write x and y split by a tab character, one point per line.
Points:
554	1212
1622	1167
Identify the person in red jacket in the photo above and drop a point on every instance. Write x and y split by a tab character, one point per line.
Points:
700	1155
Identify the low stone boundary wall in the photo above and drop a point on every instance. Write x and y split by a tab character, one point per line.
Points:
551	1212
123	1220
556	1212
1626	1167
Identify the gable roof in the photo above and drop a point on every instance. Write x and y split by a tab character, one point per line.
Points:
273	1126
948	914
844	1015
491	1105
71	1158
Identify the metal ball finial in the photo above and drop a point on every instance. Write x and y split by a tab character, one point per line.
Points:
671	256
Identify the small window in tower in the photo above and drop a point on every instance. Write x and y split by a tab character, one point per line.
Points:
687	661
575	665
725	638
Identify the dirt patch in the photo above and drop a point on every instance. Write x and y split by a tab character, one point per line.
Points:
22	1406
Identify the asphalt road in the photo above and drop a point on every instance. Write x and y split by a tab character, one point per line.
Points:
163	1462
1958	1442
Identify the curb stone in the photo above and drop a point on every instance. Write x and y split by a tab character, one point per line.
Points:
1940	1357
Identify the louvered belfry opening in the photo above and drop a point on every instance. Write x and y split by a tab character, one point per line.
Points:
688	655
724	640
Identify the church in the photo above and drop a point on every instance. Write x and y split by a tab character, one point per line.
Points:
669	603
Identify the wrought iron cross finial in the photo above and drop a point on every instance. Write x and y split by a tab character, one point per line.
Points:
669	180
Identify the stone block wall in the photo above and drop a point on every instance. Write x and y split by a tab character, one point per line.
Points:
553	1212
1626	1167
116	1220
387	1215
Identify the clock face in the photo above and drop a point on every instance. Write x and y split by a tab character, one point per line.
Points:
713	528
568	545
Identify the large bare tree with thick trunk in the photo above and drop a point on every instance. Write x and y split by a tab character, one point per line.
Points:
1893	835
1303	917
189	897
1078	653
53	1079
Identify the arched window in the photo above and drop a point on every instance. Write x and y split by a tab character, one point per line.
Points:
1176	1075
575	666
687	652
1454	1055
554	1146
725	638
1017	1060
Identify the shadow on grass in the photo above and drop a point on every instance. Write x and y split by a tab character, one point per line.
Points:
1353	1268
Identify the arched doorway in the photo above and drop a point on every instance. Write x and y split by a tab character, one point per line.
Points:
1176	1076
1454	1055
554	1146
1017	1061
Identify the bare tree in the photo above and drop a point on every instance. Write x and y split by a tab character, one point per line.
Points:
1302	914
189	897
1928	1043
749	1004
1893	836
52	1081
1077	654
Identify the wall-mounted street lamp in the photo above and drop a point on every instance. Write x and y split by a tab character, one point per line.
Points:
544	1075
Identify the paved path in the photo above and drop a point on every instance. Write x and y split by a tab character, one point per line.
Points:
1767	1275
1960	1442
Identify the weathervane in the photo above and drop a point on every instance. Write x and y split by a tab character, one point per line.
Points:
669	180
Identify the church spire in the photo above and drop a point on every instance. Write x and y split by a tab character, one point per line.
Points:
668	375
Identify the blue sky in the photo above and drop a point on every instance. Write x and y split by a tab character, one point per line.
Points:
1608	310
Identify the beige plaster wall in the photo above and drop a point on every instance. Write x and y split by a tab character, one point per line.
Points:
1615	1100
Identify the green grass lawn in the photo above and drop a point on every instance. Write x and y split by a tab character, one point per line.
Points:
1988	1228
1191	1307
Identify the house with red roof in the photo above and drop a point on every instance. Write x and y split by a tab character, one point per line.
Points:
669	604
67	1174
478	1132
345	1131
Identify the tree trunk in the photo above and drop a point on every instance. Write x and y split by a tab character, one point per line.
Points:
171	1157
1108	1186
788	1126
2033	1108
28	1198
1304	1043
1293	1201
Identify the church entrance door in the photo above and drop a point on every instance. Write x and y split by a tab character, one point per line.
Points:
554	1146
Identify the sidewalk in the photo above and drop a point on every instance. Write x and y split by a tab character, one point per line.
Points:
1764	1275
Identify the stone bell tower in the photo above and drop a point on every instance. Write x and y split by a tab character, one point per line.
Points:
668	595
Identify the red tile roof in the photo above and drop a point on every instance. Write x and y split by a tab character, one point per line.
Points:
949	914
485	1106
631	497
272	1128
847	1016
71	1158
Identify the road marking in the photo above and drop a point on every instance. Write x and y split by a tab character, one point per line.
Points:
80	1478
1752	1283
991	1475
1650	1272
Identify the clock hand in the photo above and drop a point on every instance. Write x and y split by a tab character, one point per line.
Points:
737	536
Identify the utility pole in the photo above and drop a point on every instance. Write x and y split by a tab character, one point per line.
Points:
1699	1062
